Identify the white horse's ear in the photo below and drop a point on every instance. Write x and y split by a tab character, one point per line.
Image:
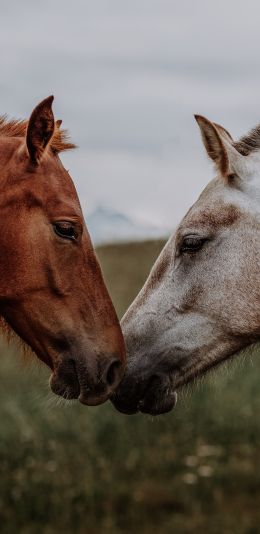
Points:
224	133
219	146
214	144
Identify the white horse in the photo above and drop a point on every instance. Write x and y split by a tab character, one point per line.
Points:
201	301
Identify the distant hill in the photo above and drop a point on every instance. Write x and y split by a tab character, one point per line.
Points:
108	226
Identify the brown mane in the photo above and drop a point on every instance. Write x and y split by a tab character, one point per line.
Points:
17	128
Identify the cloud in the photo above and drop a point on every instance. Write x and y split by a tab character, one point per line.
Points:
127	77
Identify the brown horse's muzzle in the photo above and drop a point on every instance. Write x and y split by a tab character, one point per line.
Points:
91	381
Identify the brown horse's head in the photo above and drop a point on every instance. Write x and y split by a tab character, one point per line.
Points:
52	291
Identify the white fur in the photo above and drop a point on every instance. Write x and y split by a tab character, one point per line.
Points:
201	308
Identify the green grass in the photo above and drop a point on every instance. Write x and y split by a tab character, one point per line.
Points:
74	469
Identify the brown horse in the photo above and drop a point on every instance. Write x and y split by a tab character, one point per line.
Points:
52	292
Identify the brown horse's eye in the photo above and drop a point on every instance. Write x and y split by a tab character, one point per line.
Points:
66	230
192	243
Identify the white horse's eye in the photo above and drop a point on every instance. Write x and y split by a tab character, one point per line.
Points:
192	243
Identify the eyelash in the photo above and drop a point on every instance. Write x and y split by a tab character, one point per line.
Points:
60	228
192	244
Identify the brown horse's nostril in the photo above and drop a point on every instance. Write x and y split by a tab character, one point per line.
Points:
113	373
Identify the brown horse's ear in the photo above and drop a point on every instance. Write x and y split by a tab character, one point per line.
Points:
214	144
40	129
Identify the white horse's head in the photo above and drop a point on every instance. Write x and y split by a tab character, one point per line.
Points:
201	301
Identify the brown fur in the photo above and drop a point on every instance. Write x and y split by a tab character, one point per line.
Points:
11	338
17	128
220	216
52	292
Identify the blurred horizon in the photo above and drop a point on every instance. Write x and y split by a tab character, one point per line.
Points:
127	79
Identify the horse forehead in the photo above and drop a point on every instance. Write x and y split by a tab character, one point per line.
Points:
216	207
48	186
53	204
215	215
52	184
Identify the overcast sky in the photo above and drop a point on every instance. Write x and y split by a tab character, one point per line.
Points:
127	78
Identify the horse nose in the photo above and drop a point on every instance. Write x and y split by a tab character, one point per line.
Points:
91	381
103	382
113	373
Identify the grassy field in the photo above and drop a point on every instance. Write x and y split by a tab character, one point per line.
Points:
73	469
